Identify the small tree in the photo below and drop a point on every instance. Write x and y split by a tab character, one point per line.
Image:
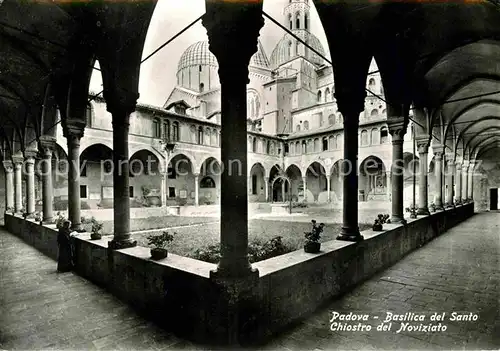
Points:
315	234
160	241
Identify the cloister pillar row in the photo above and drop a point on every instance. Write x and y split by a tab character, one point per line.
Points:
328	188
450	178
196	189
121	105
304	182
470	181
351	104
47	146
233	37
9	185
438	169
18	183
423	150
73	131
397	129
266	188
29	160
465	180
458	177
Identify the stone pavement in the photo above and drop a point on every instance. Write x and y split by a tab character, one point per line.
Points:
459	271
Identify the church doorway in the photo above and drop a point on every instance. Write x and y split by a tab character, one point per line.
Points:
493	199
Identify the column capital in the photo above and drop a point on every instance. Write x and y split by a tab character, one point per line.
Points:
397	128
350	102
30	155
47	145
17	159
465	165
423	146
121	103
438	151
233	31
9	167
73	128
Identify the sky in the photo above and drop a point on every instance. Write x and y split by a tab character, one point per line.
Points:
158	74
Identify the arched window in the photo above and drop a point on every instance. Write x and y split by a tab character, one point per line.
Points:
384	112
297	128
371	82
364	137
298	150
166	130
297	53
213	137
208	136
327	94
325	143
384	135
200	135
333	92
316	145
202	87
268	147
306	21
340	141
290	19
297	20
375	136
319	96
331	120
306	125
192	131
339	118
254	145
292	148
331	142
289	49
175	131
374	113
156	128
271	148
207	183
321	120
309	146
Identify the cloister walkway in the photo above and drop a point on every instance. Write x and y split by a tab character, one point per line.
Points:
458	271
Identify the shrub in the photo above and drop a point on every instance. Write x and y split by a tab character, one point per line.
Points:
257	251
160	241
96	226
315	234
61	205
60	219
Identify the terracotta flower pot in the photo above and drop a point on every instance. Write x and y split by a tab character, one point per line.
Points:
158	254
95	236
312	247
377	227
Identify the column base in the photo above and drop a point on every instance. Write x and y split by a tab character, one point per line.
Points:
231	269
398	220
449	206
348	234
439	208
48	220
29	216
423	212
121	244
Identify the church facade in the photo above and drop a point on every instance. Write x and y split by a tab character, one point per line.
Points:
295	132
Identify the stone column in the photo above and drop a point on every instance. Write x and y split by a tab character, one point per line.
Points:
29	161
164	188
233	40
328	185
350	104
18	184
121	105
266	188
438	170
304	181
397	129
47	146
73	131
283	190
388	183
9	186
470	182
450	177
458	177
196	189
465	180
423	149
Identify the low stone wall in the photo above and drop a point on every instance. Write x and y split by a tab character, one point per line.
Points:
180	294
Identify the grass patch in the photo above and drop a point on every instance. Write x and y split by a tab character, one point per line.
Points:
190	239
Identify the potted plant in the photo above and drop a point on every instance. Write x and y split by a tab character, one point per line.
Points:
59	221
96	229
10	210
38	217
379	221
160	243
377	226
312	244
432	207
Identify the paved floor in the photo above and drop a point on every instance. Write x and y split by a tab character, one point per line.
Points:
459	271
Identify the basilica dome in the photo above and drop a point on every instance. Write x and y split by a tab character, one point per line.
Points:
198	54
289	48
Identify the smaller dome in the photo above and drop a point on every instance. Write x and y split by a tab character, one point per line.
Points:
196	55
